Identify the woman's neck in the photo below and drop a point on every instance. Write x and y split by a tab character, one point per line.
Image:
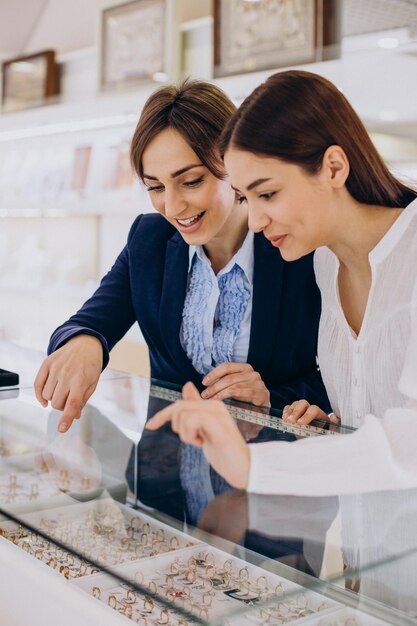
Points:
224	245
359	229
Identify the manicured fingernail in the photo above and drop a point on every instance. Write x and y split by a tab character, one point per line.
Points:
204	394
206	380
63	427
302	420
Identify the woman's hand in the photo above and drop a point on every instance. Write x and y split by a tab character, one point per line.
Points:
208	425
303	413
238	381
68	377
227	516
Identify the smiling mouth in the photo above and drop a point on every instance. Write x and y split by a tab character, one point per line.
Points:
190	220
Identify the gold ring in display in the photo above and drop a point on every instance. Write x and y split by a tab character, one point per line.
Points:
130	596
191	576
127	610
163	618
82	569
152	587
112	601
264	581
192	562
244	574
279	589
64	570
135	523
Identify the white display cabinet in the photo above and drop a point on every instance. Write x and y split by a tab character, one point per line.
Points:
67	200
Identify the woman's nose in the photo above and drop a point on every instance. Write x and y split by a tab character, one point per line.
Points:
174	204
257	220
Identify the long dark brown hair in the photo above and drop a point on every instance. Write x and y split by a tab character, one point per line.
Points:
197	110
296	116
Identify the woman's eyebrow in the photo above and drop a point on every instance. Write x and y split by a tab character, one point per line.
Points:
177	172
252	185
257	182
185	169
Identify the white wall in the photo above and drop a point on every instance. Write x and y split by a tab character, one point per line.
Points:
379	83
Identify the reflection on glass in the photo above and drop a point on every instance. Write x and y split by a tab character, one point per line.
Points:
191	549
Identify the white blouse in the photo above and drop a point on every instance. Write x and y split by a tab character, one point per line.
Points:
371	381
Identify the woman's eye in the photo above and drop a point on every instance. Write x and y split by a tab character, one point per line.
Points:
195	182
240	199
267	196
156	188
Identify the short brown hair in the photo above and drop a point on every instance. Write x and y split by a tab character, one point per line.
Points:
197	110
296	116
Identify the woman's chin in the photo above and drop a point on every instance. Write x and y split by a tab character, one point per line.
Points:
290	254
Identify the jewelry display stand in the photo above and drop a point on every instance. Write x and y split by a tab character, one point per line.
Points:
207	583
102	530
71	548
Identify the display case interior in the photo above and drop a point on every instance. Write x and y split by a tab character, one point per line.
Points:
150	533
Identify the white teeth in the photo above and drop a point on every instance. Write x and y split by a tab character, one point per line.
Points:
190	220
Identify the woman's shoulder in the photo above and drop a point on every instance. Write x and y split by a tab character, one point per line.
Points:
150	228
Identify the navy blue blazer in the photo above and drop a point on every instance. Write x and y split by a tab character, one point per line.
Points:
147	284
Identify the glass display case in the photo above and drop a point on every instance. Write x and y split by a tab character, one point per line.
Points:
111	522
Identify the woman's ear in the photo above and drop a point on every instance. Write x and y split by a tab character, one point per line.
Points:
336	166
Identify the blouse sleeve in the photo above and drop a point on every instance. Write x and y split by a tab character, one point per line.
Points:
380	455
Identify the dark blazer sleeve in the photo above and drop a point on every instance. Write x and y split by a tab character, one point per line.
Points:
309	386
109	313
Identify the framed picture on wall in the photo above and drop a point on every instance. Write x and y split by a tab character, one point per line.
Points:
81	163
29	80
132	43
251	36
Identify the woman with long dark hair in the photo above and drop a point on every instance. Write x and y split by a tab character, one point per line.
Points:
300	158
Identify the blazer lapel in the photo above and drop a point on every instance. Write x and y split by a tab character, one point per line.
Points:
266	302
172	303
